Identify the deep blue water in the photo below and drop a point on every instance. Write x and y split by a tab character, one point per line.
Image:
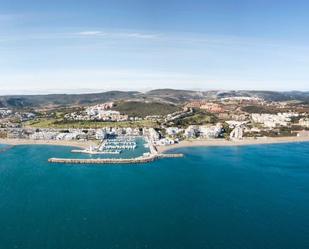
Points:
220	198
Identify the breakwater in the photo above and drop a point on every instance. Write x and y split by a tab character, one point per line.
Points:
136	160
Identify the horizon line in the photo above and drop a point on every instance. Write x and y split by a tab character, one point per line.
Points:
23	92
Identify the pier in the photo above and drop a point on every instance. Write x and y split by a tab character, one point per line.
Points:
91	152
136	160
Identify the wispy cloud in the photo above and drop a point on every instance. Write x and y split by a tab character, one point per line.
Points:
140	35
180	39
87	34
90	33
134	35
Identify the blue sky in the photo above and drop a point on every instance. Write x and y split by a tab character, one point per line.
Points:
68	45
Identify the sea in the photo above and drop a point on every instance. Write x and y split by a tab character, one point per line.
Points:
246	197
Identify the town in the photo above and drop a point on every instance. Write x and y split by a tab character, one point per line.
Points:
229	118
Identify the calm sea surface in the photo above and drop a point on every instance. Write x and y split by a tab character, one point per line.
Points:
220	198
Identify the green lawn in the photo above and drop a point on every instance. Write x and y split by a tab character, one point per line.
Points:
198	118
54	123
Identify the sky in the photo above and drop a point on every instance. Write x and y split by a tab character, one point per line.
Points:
94	45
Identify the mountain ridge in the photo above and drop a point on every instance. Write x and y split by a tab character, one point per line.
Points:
174	96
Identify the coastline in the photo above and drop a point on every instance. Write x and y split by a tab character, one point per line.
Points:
162	149
79	144
223	142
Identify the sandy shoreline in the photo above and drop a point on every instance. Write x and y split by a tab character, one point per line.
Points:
162	149
223	142
80	144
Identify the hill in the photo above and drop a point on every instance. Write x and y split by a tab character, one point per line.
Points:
63	100
143	109
167	96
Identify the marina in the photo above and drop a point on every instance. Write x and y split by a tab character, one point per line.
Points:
112	146
146	152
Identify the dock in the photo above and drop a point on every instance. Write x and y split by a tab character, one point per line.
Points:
115	152
121	143
136	160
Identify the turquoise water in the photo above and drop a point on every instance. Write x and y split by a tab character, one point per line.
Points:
219	198
2	146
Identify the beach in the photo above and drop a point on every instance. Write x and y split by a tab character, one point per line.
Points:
162	149
224	142
71	143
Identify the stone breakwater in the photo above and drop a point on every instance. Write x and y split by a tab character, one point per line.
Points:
136	160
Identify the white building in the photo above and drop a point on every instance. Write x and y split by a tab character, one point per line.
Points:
303	134
97	113
95	110
237	133
172	131
152	134
101	134
203	131
42	135
165	141
273	120
5	112
235	123
304	122
213	131
111	116
191	131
